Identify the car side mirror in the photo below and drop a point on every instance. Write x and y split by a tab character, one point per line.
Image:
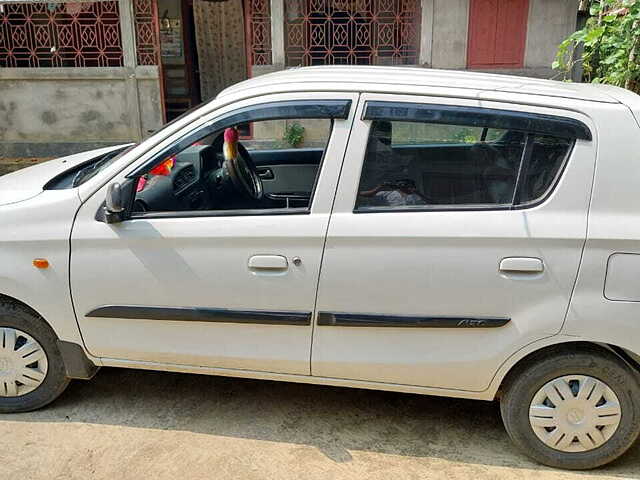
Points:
114	208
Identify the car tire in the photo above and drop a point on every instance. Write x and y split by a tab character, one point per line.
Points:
21	326
544	430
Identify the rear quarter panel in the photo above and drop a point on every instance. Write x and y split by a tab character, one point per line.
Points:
613	233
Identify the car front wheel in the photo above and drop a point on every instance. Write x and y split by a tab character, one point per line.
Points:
576	410
32	372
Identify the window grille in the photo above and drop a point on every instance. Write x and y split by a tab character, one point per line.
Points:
352	32
259	31
83	34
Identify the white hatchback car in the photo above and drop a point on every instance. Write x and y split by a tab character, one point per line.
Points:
423	231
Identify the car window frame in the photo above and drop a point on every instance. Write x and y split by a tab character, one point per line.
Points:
408	111
563	127
329	109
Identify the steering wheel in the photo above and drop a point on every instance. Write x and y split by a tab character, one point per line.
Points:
243	174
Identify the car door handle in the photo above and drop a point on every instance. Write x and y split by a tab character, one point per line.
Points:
268	262
265	173
521	265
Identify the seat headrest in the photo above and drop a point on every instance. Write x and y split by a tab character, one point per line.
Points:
381	130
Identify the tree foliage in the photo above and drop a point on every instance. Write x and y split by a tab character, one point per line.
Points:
608	47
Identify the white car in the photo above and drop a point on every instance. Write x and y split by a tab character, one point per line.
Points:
423	231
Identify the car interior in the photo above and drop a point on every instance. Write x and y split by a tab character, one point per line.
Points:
453	171
459	166
267	175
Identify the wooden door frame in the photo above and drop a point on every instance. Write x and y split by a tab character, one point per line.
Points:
522	43
190	46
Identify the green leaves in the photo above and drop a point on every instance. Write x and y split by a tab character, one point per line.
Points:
610	43
294	134
593	36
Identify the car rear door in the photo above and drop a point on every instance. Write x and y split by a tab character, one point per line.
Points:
480	259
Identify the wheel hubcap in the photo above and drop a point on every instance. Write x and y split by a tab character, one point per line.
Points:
575	413
23	363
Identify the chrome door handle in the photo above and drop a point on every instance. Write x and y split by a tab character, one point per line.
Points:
268	262
265	173
521	265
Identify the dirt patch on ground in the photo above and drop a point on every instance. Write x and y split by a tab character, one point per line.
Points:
129	424
8	165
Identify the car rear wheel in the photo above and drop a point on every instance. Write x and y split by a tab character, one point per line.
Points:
577	410
32	372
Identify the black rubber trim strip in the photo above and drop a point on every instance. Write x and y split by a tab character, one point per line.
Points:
222	213
551	125
406	321
76	363
200	314
523	169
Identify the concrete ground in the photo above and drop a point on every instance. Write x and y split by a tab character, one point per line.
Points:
128	424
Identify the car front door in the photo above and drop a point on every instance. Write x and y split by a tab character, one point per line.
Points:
454	241
230	288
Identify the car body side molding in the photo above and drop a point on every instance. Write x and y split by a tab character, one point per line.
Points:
201	314
406	321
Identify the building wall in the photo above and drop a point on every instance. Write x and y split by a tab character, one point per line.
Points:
450	24
549	23
149	99
57	111
47	111
51	112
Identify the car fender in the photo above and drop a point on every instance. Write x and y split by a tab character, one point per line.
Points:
40	228
523	352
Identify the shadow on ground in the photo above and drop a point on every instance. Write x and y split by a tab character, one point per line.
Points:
334	420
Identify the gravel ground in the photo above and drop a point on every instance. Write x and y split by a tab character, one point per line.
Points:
128	424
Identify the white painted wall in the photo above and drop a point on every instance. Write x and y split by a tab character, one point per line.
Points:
550	22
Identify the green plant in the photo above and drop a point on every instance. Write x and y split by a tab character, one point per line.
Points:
467	135
294	134
611	45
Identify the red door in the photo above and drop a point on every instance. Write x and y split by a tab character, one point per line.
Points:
497	33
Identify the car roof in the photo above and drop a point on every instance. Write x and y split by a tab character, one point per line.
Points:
399	79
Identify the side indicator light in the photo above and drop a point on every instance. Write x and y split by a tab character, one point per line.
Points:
41	263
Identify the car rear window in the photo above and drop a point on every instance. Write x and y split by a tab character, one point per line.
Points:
469	164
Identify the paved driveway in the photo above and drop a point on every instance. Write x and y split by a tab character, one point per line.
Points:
129	424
